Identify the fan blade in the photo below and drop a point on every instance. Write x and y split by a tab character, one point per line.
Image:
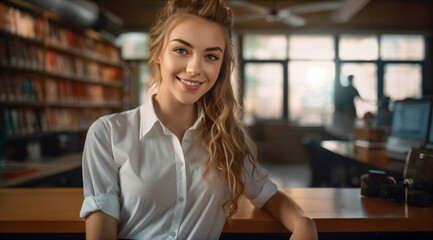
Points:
293	20
248	17
248	6
348	9
314	7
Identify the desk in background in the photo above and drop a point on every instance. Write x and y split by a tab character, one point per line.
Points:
60	171
346	149
334	164
56	210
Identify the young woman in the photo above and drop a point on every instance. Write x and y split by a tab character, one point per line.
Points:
175	167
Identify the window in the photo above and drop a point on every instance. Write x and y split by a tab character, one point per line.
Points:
403	56
358	47
263	94
311	81
311	91
319	47
133	45
388	65
263	47
403	81
402	47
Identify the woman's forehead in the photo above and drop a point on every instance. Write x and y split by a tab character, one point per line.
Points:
199	32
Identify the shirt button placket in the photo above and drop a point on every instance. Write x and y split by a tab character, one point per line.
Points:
181	189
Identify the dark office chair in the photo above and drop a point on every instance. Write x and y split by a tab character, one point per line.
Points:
322	172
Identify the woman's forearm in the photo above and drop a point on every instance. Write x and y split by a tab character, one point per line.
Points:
101	226
288	212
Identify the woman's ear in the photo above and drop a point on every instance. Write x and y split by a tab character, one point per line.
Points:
158	60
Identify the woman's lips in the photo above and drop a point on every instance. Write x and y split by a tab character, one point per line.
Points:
189	84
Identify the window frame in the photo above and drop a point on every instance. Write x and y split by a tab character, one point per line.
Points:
338	63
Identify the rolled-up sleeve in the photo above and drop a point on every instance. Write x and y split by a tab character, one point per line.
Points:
258	187
100	173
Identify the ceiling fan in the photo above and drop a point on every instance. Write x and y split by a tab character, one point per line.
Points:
343	10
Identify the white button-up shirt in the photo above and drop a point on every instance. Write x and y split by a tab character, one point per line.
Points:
137	171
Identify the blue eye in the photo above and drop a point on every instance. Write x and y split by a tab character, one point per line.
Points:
212	57
180	51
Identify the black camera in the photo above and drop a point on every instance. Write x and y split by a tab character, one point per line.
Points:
417	186
377	183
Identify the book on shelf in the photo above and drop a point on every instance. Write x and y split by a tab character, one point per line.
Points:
20	22
63	37
72	119
2	16
51	94
95	93
3	87
93	70
39	89
21	88
102	51
22	121
8	123
3	53
21	54
64	64
110	74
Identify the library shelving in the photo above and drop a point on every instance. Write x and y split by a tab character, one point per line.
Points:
54	75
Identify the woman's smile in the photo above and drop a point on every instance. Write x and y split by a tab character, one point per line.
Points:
189	84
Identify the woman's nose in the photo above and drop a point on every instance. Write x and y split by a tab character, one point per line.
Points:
194	66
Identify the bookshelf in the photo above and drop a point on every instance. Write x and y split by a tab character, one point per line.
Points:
54	76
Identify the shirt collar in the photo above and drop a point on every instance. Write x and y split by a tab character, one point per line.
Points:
148	117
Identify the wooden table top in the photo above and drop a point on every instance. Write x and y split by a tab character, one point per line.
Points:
56	210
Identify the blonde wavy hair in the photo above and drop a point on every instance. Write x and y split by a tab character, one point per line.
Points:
221	130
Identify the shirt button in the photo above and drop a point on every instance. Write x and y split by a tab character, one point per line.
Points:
173	234
181	199
180	163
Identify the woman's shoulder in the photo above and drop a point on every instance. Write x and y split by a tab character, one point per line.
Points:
123	119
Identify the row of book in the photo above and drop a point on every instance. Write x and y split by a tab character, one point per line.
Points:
20	88
19	22
100	50
25	121
63	37
67	65
67	91
61	119
22	54
66	38
27	87
26	25
27	55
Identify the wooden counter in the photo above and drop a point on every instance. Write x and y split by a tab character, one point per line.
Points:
56	210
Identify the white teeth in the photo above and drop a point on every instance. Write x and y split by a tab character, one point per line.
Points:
189	83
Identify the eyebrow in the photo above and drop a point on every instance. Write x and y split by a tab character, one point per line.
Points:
190	45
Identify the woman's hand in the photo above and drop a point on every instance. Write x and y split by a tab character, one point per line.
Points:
285	209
